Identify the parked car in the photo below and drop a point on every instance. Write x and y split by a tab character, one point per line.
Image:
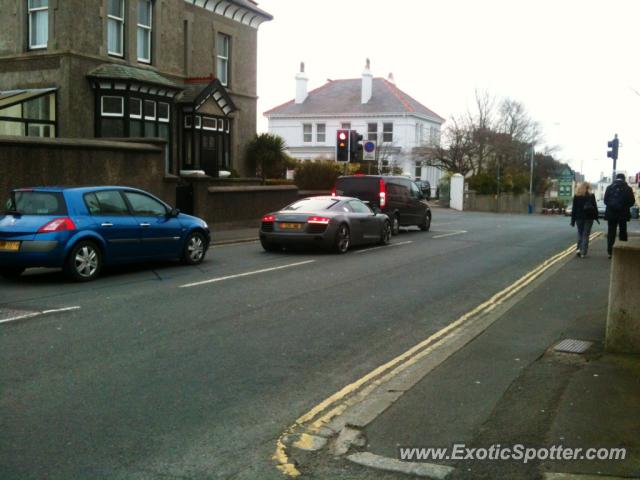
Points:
331	222
601	208
425	188
84	229
396	196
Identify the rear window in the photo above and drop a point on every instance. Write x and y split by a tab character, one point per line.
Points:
364	188
312	204
36	203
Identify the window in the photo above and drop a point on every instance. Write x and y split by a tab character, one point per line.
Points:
415	191
359	207
387	132
144	30
38	23
345	126
163	112
37	203
307	135
321	132
222	48
144	205
372	131
418	171
110	203
135	108
112	106
149	110
115	28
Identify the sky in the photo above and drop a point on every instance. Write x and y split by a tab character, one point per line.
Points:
573	64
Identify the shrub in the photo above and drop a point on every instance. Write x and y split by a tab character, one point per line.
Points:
267	157
317	175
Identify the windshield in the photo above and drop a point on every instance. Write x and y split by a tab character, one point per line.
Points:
36	203
312	204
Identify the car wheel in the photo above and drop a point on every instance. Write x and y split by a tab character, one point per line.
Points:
11	272
269	246
195	249
385	235
426	223
84	262
343	239
396	225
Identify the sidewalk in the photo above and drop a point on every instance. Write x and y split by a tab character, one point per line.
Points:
225	233
508	386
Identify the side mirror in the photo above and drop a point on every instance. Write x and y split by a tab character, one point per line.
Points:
376	210
174	212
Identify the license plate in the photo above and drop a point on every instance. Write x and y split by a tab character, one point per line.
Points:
9	246
291	226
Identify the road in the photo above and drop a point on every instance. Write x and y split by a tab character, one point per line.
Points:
147	378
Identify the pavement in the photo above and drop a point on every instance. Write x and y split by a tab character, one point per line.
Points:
174	372
509	386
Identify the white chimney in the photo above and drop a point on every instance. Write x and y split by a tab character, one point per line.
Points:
367	83
301	85
391	79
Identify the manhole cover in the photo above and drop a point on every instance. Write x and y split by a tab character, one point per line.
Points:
571	345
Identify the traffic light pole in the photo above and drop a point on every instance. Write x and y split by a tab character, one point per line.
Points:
531	183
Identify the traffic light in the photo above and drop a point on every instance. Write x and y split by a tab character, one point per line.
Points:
613	148
355	146
342	145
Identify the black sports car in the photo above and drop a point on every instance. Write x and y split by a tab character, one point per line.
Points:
330	222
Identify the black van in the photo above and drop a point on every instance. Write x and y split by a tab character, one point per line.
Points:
398	197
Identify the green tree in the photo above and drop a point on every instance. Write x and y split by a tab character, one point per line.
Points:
266	155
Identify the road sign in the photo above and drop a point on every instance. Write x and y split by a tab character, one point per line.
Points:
369	150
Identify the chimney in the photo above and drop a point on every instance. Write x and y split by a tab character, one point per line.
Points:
391	79
301	85
367	83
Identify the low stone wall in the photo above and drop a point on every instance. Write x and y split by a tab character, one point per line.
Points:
31	162
505	203
225	205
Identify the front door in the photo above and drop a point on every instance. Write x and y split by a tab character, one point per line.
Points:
209	159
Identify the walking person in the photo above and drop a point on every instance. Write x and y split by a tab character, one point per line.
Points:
619	199
583	212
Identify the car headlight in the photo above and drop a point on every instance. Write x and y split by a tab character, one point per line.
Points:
205	226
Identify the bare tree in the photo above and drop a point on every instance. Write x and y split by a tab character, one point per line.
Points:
457	156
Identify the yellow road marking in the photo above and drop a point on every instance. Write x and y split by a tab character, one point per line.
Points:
402	362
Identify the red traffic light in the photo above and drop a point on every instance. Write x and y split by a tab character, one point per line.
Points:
342	135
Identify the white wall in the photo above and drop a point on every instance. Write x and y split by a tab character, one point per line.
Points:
406	136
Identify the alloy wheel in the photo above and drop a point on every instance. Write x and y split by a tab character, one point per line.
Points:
86	261
195	248
344	239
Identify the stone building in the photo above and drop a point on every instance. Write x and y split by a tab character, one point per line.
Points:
181	70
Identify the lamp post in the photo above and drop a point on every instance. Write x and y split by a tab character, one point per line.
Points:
532	153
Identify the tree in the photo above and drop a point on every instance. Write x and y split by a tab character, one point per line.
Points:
457	156
266	155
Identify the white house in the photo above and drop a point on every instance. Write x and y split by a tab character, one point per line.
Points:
375	107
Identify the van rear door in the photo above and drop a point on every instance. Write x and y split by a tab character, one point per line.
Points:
365	188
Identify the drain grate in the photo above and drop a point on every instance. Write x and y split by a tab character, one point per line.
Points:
571	345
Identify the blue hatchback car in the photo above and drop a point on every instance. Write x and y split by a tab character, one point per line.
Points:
83	229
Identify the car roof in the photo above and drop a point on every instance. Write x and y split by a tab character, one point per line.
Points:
330	197
403	177
75	189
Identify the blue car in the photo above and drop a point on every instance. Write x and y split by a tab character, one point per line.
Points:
84	229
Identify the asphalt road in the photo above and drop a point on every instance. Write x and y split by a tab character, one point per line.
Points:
150	380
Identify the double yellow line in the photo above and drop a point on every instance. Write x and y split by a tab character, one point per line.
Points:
320	415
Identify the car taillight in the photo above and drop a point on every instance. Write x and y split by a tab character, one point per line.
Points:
383	194
333	191
269	218
319	220
58	225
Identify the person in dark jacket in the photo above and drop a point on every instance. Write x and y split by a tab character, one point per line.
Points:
619	199
583	212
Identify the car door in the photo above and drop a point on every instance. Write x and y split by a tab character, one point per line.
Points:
160	234
369	225
114	223
416	206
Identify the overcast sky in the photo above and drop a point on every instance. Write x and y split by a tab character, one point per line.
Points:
572	63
